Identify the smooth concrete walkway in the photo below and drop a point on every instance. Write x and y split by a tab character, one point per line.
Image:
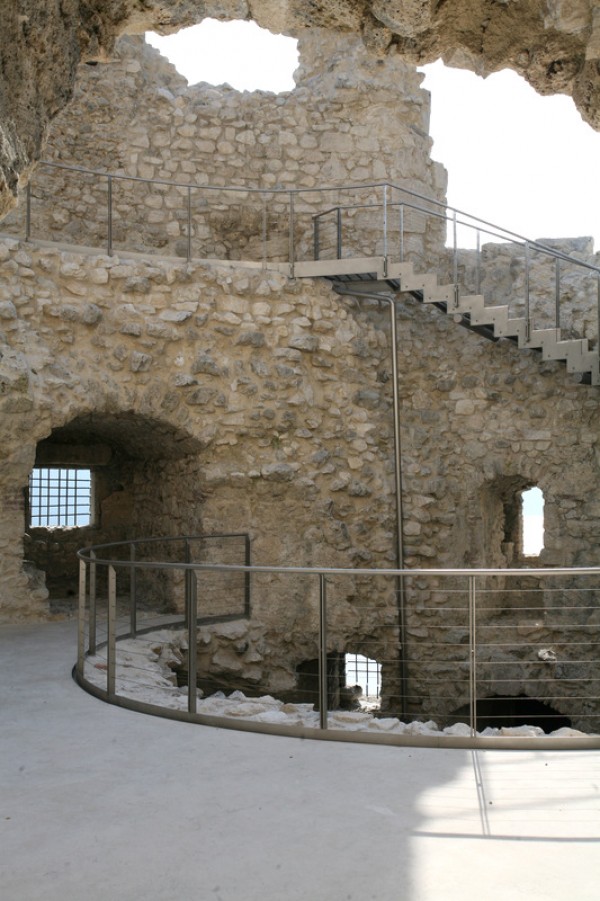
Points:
101	804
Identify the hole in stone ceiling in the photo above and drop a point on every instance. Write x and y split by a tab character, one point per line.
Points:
240	54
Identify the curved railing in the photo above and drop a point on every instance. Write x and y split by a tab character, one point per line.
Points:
475	640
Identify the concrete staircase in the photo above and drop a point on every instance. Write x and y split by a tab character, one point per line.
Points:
374	275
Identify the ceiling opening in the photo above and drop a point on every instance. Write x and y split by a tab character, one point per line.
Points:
240	54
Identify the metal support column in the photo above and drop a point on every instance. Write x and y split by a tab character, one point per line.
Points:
400	594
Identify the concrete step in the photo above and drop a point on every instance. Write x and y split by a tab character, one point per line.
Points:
402	278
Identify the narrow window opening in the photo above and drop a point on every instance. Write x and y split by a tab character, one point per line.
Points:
532	522
60	497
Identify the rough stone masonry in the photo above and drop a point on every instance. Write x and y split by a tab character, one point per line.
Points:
215	396
554	44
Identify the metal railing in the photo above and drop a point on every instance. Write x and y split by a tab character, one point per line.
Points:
492	658
282	226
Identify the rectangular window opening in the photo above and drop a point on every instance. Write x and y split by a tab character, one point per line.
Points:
60	497
363	671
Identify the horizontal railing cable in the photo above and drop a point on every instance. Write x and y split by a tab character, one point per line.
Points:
517	677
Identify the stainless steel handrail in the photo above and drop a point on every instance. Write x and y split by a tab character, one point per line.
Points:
380	236
90	554
475	221
103	556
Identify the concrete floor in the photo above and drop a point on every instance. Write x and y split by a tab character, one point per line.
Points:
101	804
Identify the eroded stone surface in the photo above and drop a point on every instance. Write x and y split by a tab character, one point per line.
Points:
555	45
351	120
217	398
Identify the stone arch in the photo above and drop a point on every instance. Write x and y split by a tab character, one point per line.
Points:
141	470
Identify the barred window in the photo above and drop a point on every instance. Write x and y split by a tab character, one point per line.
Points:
60	497
363	671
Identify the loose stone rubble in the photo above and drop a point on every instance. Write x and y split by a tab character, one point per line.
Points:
143	675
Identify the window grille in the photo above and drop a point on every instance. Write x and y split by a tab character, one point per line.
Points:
365	672
60	497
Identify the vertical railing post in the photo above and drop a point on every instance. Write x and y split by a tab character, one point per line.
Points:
111	646
189	223
291	238
28	213
385	230
598	314
247	574
132	593
192	629
187	559
323	675
401	232
527	293
557	292
316	237
339	233
264	234
472	657
478	264
455	250
110	222
81	618
93	605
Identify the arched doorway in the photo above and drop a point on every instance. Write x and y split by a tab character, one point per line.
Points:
101	478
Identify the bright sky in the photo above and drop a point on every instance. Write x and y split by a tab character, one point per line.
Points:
522	161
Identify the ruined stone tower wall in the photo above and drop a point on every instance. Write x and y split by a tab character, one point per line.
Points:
231	398
351	120
240	401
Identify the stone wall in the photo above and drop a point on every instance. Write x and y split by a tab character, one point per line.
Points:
506	276
232	398
555	44
351	120
242	401
161	359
